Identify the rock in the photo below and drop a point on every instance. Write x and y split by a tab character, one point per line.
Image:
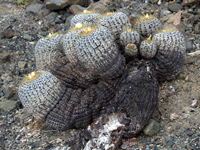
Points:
52	16
152	128
66	15
173	116
197	28
189	45
60	4
8	105
97	7
6	27
9	92
58	20
5	58
34	9
189	133
22	64
193	18
194	103
68	20
7	33
27	37
189	60
45	33
44	12
175	7
188	2
76	9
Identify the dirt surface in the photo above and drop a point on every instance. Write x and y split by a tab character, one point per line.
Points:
18	130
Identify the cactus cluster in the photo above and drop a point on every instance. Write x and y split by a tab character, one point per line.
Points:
101	65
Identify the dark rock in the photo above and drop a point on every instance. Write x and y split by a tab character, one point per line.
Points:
44	28
60	4
7	33
175	7
190	133
6	27
66	15
9	92
5	58
193	18
152	128
58	20
68	20
13	20
34	9
76	9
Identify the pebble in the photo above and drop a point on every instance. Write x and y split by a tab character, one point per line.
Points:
152	128
175	7
5	58
76	9
173	116
60	4
189	45
52	16
9	92
7	33
97	7
58	20
27	37
34	9
6	27
8	105
197	28
22	64
190	133
194	103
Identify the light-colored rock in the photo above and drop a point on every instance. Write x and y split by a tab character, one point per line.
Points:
97	7
152	128
8	105
34	8
76	9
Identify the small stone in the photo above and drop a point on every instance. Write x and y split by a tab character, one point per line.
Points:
6	27
22	64
9	92
175	7
58	20
34	9
76	9
5	58
45	33
189	59
189	45
52	16
97	7
8	105
27	37
173	116
197	28
152	128
194	103
7	33
60	4
189	133
168	138
189	26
